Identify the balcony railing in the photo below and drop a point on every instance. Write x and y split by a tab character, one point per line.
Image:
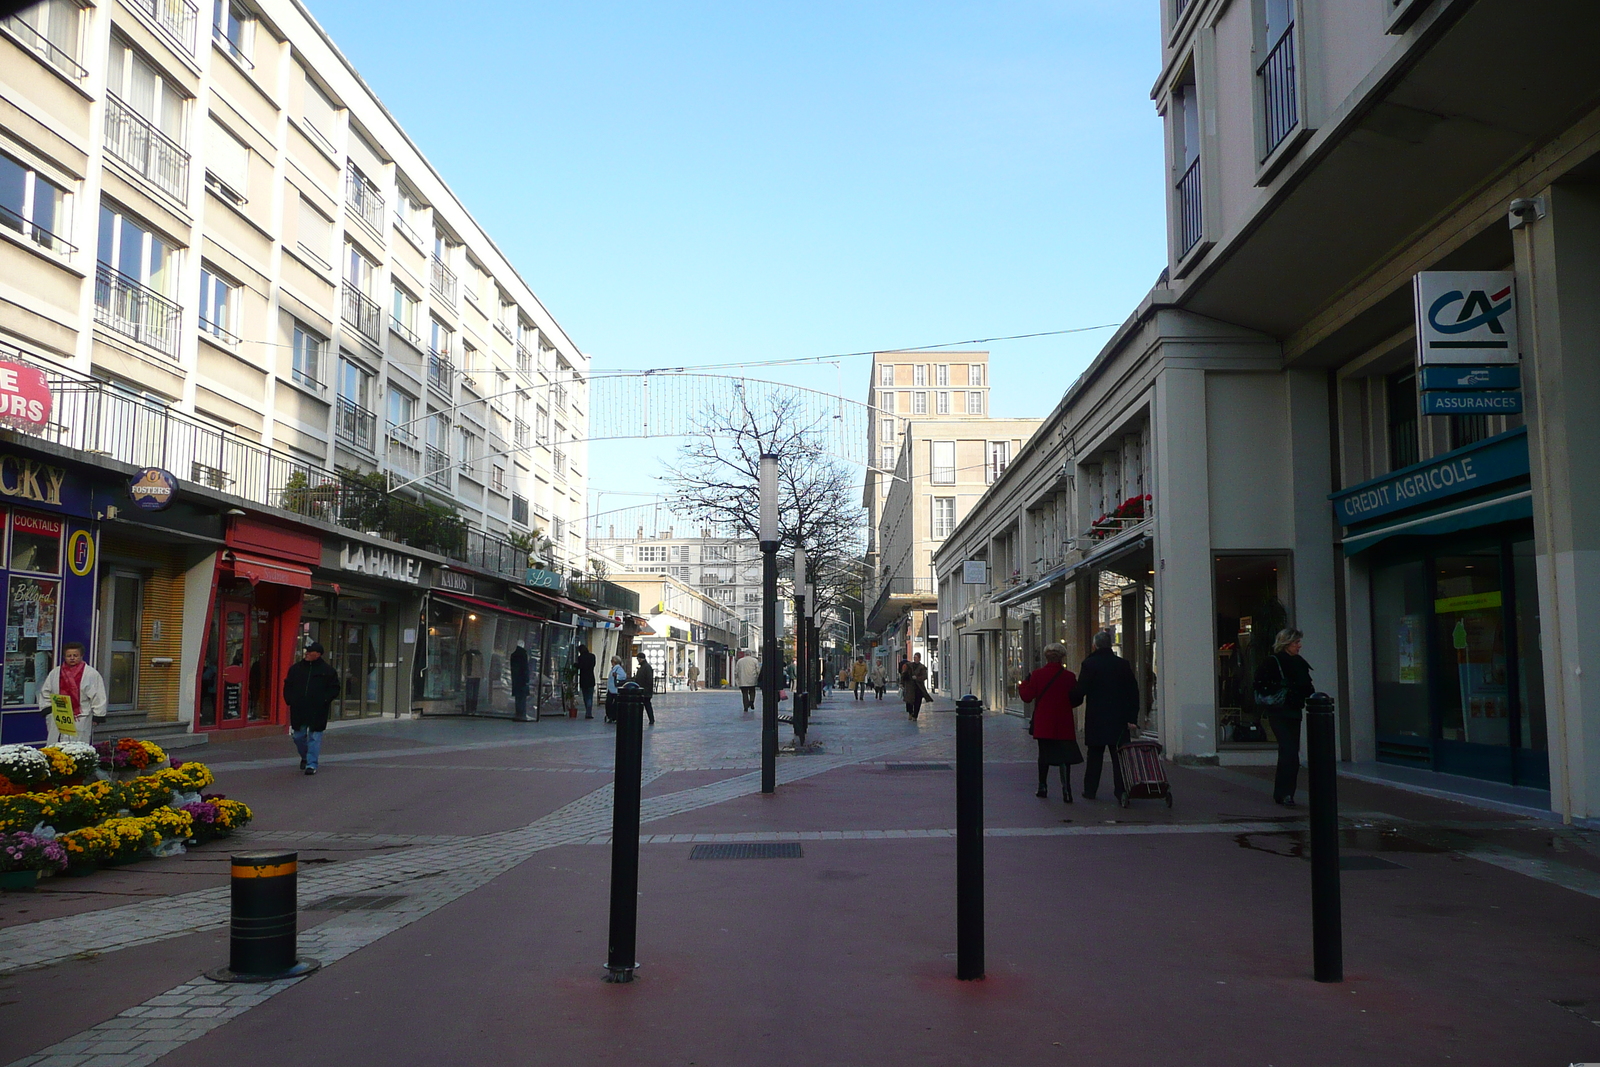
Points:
1279	111
441	373
605	594
362	312
353	424
406	231
403	455
1189	208
40	236
37	42
135	140
135	311
437	462
364	201
521	432
525	360
558	465
176	17
443	280
406	332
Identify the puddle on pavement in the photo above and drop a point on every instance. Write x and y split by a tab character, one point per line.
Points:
1294	843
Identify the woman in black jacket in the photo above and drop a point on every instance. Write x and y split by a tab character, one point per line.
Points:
1294	676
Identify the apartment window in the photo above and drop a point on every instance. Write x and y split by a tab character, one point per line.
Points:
402	414
944	516
138	272
974	373
680	573
942	403
315	238
470	443
886	374
716	552
1467	429
145	120
32	205
219	305
558	529
652	553
359	270
1402	403
888	457
403	311
974	402
353	418
232	28
318	114
885	430
919	403
355	384
1186	159
307	357
1276	74
519	509
410	217
440	337
941	374
497	479
919	374
51	30
944	462
227	163
542	426
999	460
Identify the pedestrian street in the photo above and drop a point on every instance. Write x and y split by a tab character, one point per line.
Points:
441	858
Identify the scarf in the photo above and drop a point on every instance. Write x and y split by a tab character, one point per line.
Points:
71	683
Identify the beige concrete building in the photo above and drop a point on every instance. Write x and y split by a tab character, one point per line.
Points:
934	449
209	210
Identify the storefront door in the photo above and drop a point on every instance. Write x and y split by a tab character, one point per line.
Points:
235	683
360	669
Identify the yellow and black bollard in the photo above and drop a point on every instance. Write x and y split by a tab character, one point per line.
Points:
262	944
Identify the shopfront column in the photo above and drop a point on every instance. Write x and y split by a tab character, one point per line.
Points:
1558	279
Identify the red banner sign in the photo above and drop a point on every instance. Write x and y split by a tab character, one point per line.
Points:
22	522
24	396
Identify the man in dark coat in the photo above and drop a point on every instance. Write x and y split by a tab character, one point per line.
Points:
519	680
645	676
1107	683
585	664
310	686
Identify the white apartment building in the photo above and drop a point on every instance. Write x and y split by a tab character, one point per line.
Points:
933	448
688	629
726	570
211	211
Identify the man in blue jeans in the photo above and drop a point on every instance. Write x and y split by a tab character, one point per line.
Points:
310	686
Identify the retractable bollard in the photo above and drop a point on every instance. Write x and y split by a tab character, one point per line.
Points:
969	838
261	947
625	835
1327	935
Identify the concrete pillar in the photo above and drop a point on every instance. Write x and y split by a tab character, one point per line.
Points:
198	581
1315	555
1362	711
1187	714
1558	277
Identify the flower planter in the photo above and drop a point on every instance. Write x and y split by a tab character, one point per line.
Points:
19	881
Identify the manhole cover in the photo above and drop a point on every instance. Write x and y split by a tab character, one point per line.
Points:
355	902
1368	863
918	767
782	850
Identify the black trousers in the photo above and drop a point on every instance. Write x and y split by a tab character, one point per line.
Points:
1287	729
914	704
648	709
861	689
747	693
1091	770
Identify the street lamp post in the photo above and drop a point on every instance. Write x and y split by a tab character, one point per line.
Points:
813	644
802	646
768	536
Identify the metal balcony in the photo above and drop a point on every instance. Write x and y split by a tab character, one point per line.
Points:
40	236
443	280
134	140
364	201
1279	110
135	311
176	17
362	312
437	462
441	373
1189	228
353	424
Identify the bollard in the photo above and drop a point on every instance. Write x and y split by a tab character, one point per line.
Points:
261	947
969	838
1327	937
625	835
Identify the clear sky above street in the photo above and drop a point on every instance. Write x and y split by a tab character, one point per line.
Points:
686	183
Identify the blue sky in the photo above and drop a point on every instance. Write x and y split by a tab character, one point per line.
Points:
686	183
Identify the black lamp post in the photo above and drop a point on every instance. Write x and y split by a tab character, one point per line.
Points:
770	668
802	646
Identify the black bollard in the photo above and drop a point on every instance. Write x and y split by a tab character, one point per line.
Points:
969	838
261	945
1327	937
625	835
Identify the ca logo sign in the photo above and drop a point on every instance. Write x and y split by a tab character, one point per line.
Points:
1478	308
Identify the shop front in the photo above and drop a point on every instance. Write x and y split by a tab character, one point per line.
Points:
1444	553
363	609
49	556
251	634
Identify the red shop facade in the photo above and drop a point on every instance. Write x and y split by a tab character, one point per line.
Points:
249	644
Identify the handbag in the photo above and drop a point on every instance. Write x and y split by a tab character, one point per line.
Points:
1269	695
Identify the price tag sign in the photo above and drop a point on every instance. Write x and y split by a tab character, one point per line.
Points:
61	708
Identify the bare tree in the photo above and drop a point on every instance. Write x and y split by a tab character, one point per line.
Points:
716	482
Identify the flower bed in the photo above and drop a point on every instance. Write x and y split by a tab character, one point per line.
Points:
22	767
127	754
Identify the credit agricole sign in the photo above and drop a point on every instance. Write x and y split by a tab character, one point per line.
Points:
1465	470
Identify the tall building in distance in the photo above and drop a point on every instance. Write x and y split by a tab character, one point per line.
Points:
933	448
726	570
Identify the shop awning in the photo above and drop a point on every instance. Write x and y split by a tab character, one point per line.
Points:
255	570
1033	589
548	599
642	627
484	605
1482	513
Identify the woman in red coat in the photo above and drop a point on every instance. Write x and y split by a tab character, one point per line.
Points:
1049	689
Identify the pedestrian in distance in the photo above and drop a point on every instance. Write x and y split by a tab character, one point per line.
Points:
645	676
1049	690
694	676
309	688
83	686
616	678
1282	685
858	675
747	676
1107	683
519	681
877	680
585	662
914	685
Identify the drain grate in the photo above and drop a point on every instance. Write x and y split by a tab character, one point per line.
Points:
919	767
355	902
782	850
1368	863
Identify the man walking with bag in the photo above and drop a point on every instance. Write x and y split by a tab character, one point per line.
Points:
309	688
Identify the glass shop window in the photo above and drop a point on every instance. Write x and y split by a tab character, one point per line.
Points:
30	638
35	543
1252	599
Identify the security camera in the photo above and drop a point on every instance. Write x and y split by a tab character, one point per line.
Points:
1525	210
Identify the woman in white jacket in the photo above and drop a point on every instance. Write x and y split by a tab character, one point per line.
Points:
83	685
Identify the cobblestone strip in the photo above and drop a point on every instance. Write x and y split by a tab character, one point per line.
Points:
1119	830
312	838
